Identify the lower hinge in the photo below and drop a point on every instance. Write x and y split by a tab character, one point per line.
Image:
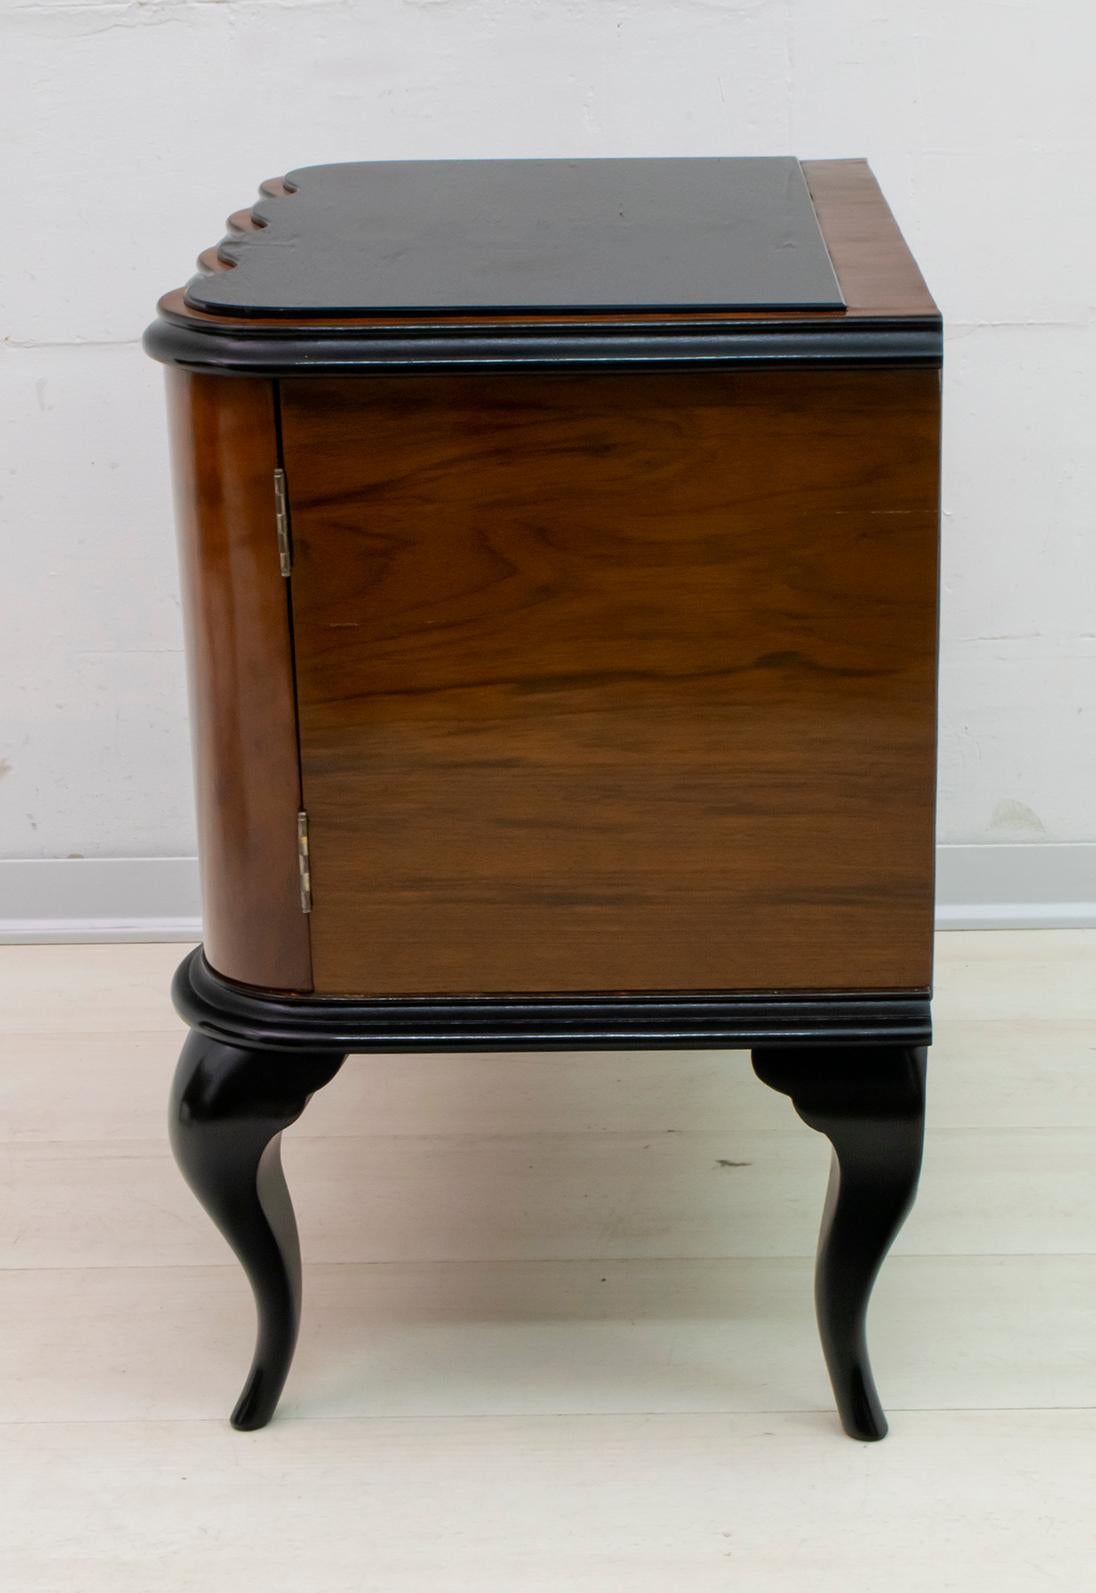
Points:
281	524
304	868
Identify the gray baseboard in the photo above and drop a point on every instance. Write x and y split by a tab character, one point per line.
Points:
1048	886
57	900
76	899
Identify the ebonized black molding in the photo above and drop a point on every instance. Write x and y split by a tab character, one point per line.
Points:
266	350
235	1016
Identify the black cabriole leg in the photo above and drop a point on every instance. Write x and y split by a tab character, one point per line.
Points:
870	1103
228	1109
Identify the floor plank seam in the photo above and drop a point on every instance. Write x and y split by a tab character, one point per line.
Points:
751	1413
548	1261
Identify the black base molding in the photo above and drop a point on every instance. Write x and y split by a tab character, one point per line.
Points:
237	1016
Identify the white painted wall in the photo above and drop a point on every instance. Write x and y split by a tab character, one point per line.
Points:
132	129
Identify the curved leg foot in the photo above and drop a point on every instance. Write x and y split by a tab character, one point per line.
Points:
228	1108
870	1103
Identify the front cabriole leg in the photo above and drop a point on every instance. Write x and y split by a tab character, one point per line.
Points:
870	1103
228	1109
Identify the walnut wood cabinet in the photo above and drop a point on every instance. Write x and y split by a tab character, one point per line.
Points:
559	547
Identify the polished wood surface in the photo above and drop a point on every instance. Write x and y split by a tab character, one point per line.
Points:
241	679
877	273
617	682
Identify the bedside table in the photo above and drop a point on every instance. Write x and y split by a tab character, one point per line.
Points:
559	548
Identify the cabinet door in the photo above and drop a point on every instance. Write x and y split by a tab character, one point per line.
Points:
617	681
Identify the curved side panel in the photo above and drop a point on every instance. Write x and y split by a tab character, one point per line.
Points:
243	719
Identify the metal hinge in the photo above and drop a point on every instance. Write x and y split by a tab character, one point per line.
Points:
281	523
304	868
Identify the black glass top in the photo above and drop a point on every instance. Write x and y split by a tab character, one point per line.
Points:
529	235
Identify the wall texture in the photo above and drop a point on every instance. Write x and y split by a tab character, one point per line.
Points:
132	129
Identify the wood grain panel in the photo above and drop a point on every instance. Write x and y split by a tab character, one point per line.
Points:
243	722
877	272
616	681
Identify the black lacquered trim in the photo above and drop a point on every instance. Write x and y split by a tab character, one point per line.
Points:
266	350
236	1016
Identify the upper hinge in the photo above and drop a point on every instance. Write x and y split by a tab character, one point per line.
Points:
304	867
281	523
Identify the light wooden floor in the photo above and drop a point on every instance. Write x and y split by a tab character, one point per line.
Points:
558	1331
